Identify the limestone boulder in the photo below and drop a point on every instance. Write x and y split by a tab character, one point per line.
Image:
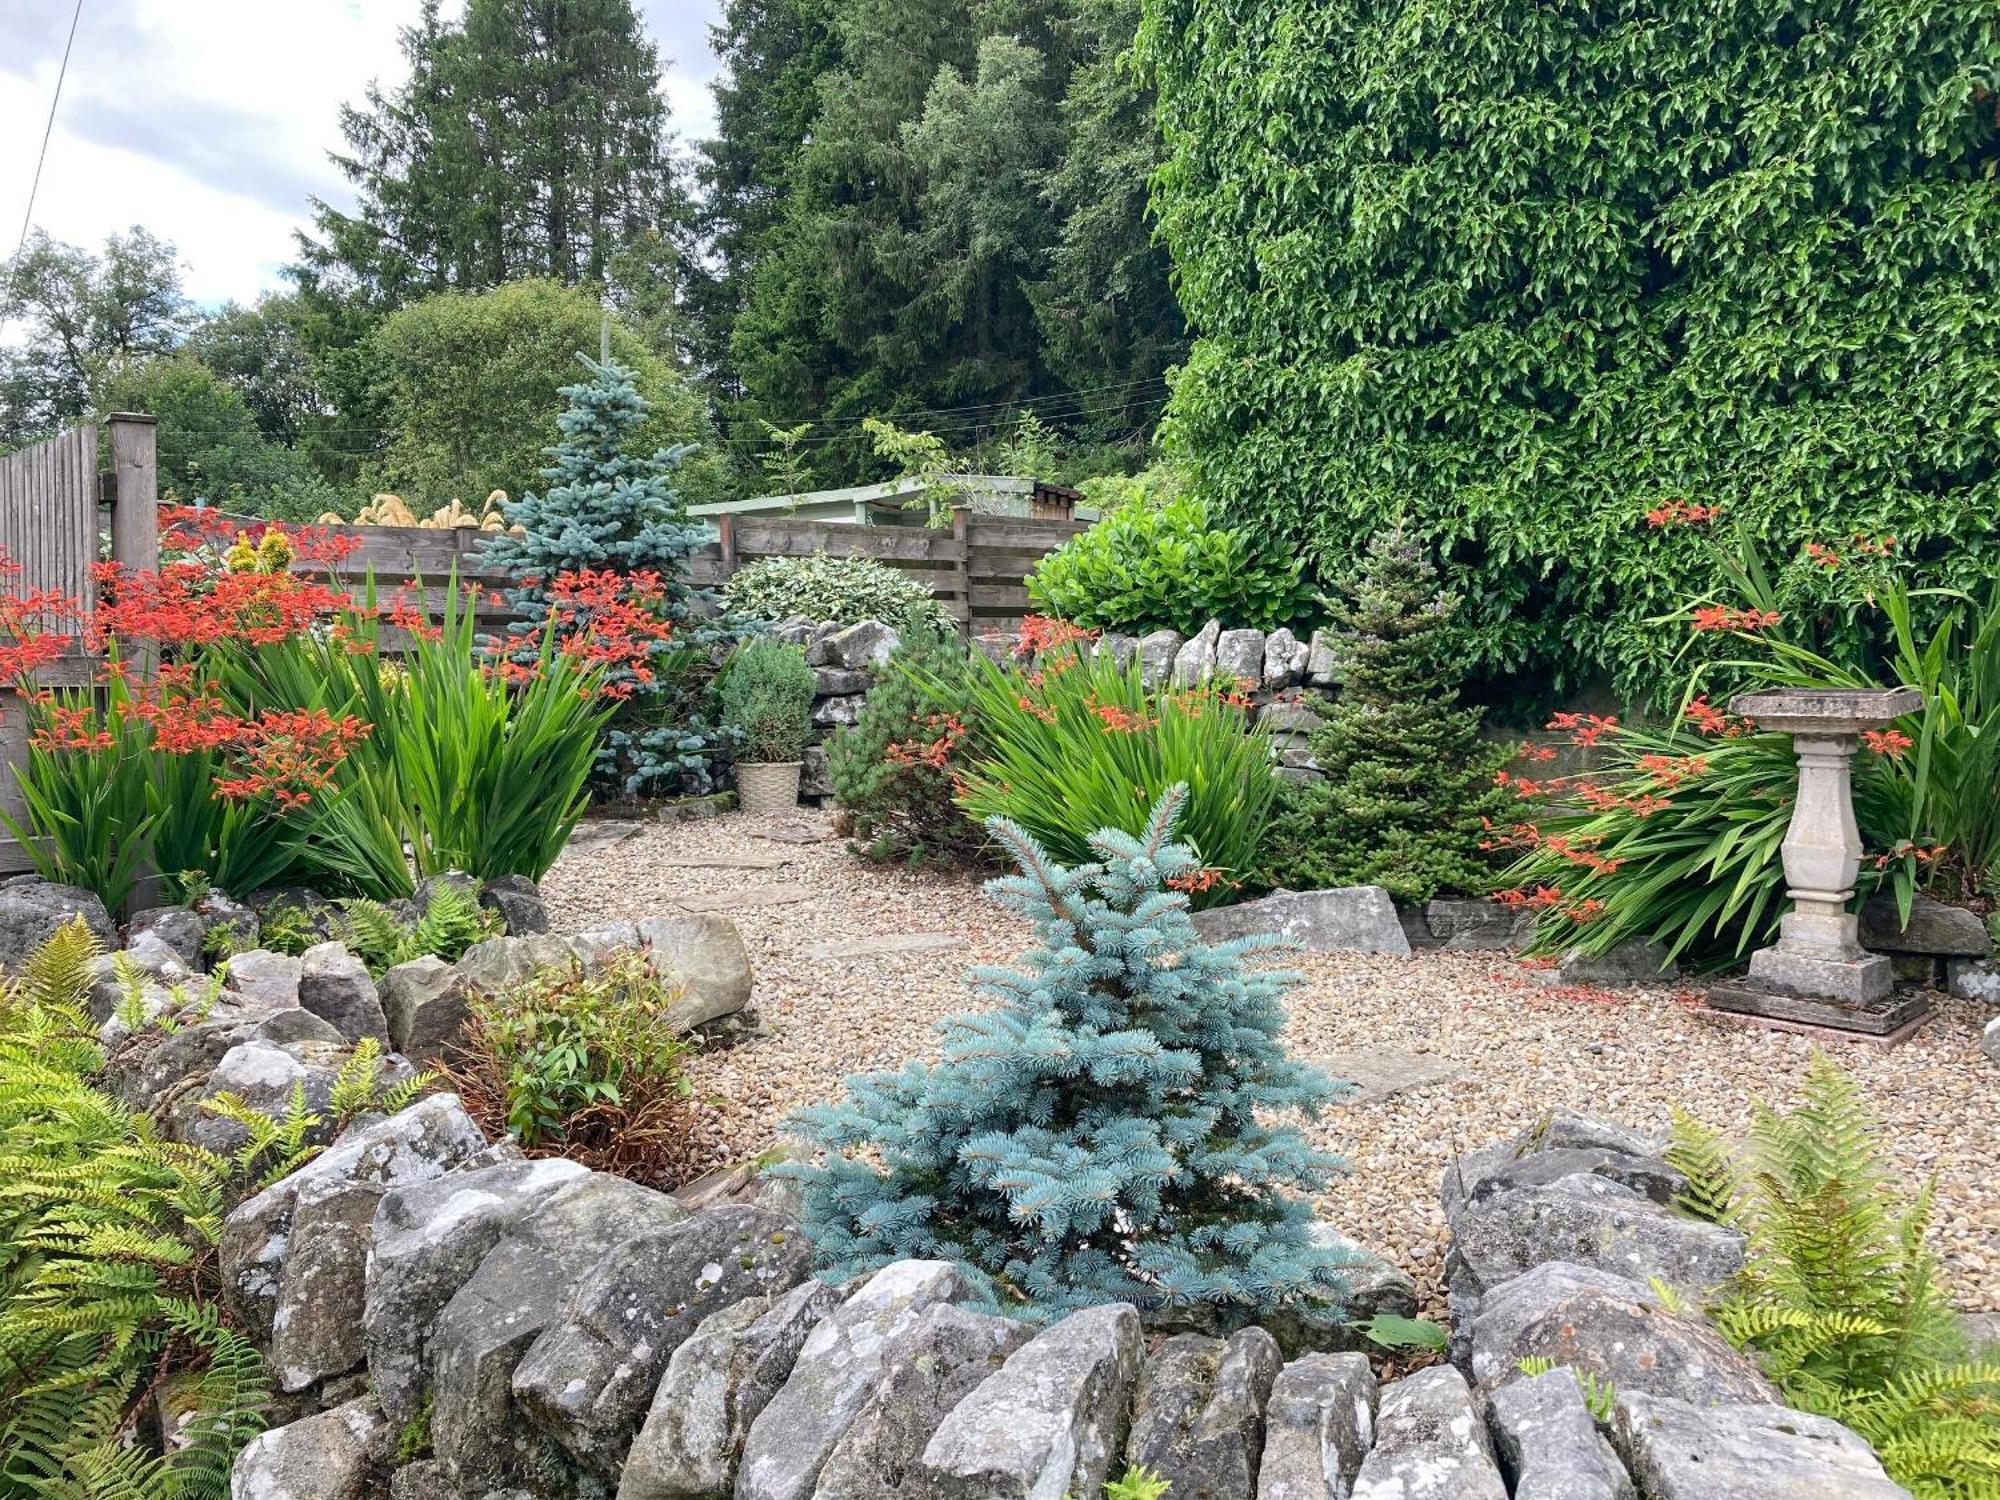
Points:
425	1141
717	1384
519	1289
1355	918
927	1372
1157	653
335	986
181	928
1285	658
33	911
1462	924
838	1366
1478	1176
1549	1445
1635	962
589	1377
1198	1413
1119	650
1934	928
265	1076
1051	1422
1322	659
1430	1443
1194	663
704	954
265	980
1678	1451
1318	1427
429	1240
518	900
1612	1326
1240	654
1591	1221
329	1456
424	1007
866	646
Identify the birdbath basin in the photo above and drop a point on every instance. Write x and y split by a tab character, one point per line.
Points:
1817	972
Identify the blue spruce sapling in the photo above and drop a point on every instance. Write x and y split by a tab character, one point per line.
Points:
609	510
1105	1134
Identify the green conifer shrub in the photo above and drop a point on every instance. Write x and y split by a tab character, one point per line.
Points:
893	769
1106	1134
1409	782
609	510
767	696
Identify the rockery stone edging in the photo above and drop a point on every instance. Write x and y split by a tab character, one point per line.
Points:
482	1325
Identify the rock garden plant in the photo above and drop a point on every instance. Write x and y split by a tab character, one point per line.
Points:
822	589
1408	796
767	697
895	769
1077	743
1105	1134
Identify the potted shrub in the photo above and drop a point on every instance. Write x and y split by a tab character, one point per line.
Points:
767	700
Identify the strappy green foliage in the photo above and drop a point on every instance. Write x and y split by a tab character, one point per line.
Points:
1839	1299
110	1306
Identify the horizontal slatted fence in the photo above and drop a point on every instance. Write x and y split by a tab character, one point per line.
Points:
975	570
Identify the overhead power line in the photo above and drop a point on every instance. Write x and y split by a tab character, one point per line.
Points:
35	186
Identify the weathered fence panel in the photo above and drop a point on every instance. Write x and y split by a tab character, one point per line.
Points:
52	504
975	569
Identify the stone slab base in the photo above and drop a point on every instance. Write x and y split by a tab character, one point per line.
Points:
1896	1016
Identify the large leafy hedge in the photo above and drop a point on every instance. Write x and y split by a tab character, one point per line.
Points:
1518	272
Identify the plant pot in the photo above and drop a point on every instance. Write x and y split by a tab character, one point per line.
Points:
767	787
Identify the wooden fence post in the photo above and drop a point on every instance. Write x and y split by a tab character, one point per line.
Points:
135	546
961	532
725	536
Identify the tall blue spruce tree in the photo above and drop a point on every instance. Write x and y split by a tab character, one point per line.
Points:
606	508
1103	1135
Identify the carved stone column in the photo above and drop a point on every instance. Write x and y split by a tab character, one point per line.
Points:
1818	972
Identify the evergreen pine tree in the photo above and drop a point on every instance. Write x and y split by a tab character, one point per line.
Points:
1103	1134
1408	779
608	510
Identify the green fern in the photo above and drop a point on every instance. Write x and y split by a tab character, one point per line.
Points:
1136	1483
1702	1157
452	921
108	1281
1839	1296
1600	1393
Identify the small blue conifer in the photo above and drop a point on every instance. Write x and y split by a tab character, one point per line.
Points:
1106	1133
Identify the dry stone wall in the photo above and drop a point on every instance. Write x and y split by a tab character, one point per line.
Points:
535	1329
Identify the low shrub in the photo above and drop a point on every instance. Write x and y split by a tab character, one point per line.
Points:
581	1063
1408	789
767	696
1161	561
1840	1298
1080	745
894	770
820	588
1105	1133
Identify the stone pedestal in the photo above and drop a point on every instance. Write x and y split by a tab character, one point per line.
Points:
1817	973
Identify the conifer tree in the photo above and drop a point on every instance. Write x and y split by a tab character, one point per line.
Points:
1408	779
1103	1135
609	510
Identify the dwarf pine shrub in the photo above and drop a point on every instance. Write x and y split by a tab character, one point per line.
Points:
1106	1133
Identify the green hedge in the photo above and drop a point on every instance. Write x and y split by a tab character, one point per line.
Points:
1519	272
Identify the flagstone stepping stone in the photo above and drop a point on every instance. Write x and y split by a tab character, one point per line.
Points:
895	942
600	833
749	895
1382	1072
749	861
795	833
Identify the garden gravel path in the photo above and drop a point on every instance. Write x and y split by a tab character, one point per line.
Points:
1455	1050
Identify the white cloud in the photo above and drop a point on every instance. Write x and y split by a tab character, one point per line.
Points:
209	121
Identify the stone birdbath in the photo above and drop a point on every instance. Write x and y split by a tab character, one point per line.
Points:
1817	973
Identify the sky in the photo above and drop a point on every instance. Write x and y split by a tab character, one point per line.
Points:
209	121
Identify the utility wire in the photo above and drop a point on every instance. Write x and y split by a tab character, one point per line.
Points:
35	187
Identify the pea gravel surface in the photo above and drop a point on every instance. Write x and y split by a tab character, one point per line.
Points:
856	963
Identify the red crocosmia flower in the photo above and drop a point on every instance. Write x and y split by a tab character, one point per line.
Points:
1822	556
1680	513
1889	742
1713	617
1041	634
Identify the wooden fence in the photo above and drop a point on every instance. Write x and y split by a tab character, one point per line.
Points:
53	501
976	569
